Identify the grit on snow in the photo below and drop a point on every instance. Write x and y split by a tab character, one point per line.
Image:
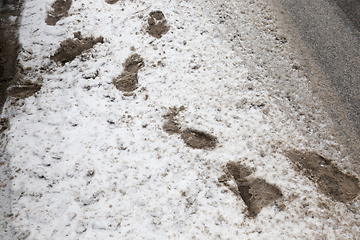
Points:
170	120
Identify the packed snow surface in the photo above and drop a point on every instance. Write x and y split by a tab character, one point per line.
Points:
91	162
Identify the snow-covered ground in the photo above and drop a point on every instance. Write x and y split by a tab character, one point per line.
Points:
89	161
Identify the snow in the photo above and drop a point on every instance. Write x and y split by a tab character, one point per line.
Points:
89	162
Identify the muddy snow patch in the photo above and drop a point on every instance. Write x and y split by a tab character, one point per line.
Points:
171	126
59	10
23	91
255	192
330	180
192	138
128	80
71	48
85	159
198	139
157	24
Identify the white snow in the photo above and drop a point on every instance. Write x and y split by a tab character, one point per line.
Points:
90	163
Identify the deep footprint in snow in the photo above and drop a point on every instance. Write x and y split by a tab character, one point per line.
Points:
128	80
198	139
71	48
4	124
157	24
60	10
192	138
256	193
330	180
171	126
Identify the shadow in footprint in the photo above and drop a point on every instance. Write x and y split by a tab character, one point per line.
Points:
128	80
59	10
111	1
329	179
157	24
256	193
71	48
192	138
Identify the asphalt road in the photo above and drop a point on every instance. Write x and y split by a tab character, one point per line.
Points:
330	31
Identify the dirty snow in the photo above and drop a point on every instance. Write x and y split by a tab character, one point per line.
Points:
89	161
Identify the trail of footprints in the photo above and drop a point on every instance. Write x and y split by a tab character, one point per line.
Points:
255	192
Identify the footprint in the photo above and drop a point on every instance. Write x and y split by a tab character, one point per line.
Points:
329	179
171	126
71	48
111	1
60	10
191	137
157	24
256	193
128	80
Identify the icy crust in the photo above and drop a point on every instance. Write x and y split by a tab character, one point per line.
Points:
89	161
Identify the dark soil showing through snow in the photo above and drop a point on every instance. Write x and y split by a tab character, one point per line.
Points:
59	11
191	137
9	46
71	48
256	193
157	24
326	175
9	49
23	91
128	80
197	139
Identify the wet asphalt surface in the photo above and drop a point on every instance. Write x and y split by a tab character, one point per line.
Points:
330	32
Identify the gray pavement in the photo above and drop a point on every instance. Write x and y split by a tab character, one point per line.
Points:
330	32
351	8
